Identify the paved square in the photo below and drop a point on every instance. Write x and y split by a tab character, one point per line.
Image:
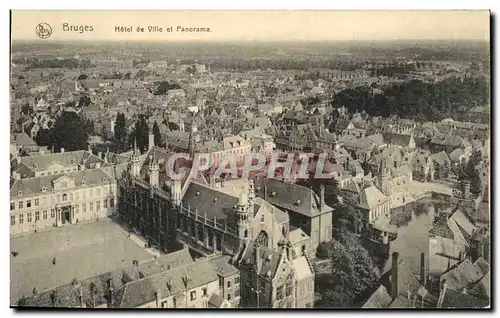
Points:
81	251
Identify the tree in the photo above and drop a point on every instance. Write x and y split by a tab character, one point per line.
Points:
84	101
44	137
82	77
352	272
119	143
69	132
157	134
469	172
127	76
140	134
164	86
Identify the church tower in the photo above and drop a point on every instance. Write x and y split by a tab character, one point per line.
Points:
384	178
154	171
135	162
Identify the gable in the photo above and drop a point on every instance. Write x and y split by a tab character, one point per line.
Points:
63	182
55	166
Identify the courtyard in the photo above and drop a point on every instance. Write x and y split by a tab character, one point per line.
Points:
80	251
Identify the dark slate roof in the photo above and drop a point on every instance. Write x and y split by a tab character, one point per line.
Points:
214	203
455	299
292	197
269	259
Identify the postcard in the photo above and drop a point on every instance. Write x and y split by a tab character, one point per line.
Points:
250	159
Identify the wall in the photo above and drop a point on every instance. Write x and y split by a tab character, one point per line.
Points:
79	198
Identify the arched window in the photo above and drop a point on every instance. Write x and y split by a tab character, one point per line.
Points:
262	238
65	197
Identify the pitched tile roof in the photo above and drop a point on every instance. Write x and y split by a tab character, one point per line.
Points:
167	283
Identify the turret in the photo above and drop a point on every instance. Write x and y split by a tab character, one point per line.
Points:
154	171
176	192
244	214
135	161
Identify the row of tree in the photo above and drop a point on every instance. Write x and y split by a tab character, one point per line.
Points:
417	99
59	63
123	141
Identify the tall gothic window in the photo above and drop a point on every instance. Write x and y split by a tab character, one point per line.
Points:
262	238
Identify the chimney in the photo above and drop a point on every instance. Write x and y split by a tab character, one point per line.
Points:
80	297
90	149
62	150
99	155
256	254
394	275
158	298
423	275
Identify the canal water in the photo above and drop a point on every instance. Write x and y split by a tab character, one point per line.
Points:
413	221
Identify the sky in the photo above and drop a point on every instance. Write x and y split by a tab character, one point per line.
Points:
257	25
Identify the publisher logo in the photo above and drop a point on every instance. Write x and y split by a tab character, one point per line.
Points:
43	30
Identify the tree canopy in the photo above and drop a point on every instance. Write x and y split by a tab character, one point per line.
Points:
417	99
468	171
140	134
69	132
163	87
157	134
351	272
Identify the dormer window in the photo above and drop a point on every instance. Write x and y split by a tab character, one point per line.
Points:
273	194
198	194
297	202
104	180
83	182
19	192
44	189
215	199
